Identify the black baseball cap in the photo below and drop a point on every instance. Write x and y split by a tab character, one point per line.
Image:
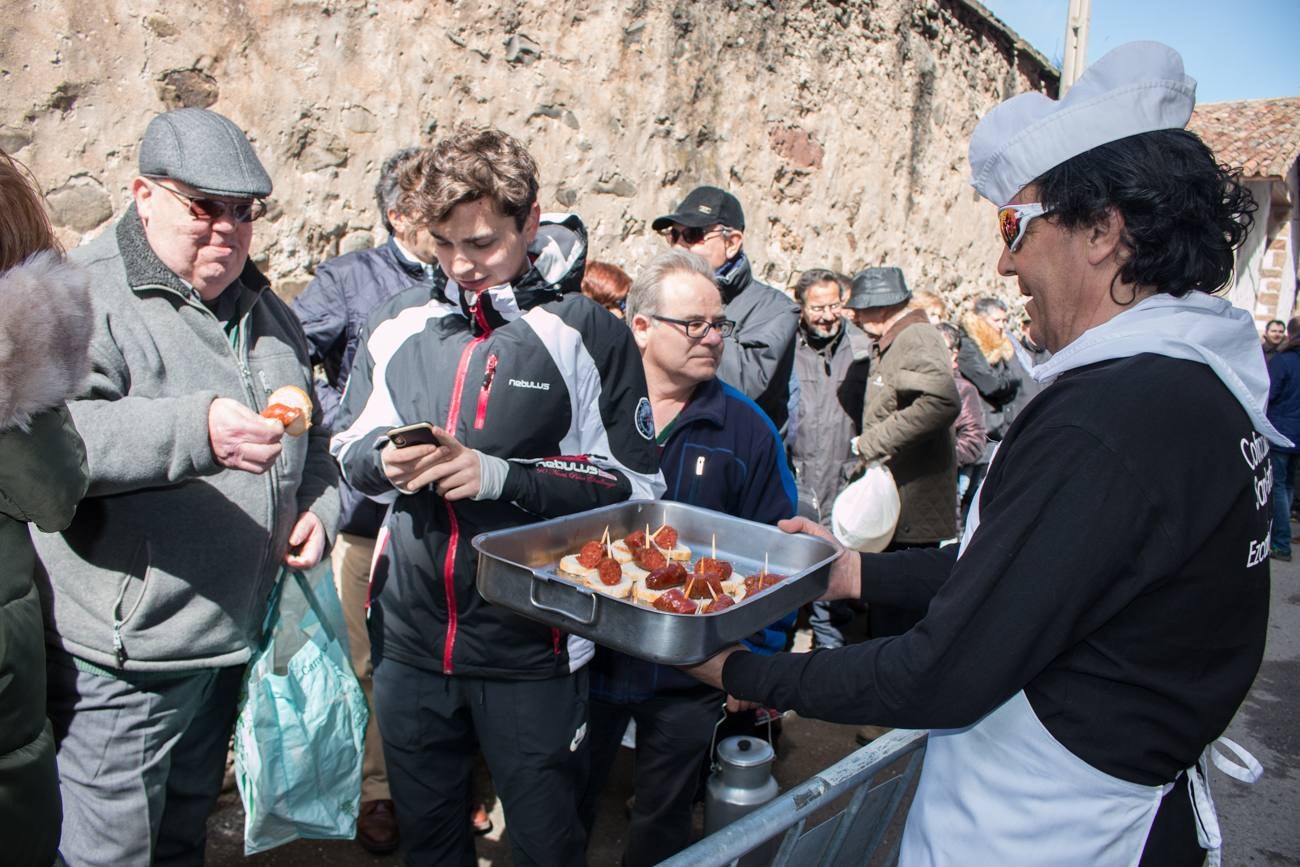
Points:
704	206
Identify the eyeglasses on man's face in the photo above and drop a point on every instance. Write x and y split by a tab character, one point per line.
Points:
1014	220
820	309
697	329
691	235
210	210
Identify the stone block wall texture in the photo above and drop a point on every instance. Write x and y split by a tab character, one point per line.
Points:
842	126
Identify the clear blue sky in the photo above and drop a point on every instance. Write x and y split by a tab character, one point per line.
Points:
1243	49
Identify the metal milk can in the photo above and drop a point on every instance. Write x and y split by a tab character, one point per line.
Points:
741	781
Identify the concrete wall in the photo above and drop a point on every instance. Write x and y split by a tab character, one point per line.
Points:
841	125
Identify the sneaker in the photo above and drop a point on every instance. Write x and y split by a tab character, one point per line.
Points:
1279	554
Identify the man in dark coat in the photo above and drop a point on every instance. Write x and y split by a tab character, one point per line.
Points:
759	356
1284	413
911	404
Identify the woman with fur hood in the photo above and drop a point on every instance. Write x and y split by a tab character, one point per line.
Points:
44	333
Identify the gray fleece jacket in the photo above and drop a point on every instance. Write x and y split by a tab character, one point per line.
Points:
171	558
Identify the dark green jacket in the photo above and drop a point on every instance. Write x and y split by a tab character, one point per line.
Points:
42	476
44	321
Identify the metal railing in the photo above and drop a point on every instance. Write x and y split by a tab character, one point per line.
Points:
851	836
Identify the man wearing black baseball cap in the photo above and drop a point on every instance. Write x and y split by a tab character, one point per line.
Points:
157	591
758	357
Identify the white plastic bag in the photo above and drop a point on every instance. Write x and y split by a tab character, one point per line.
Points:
866	512
302	724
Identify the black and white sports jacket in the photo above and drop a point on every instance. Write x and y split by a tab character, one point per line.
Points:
534	373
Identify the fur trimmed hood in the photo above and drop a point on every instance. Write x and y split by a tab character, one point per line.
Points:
994	345
45	325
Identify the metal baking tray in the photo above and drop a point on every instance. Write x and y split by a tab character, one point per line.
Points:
517	570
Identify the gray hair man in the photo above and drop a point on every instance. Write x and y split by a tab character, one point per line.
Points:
1106	611
758	357
157	592
719	451
334	309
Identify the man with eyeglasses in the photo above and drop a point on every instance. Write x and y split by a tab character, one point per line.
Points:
157	591
831	360
758	357
1106	611
717	450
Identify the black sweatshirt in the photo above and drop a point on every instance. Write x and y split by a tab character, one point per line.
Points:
1119	575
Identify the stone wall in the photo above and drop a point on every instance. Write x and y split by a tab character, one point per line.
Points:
842	126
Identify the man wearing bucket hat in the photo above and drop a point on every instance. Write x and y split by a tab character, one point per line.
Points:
911	403
1105	614
156	593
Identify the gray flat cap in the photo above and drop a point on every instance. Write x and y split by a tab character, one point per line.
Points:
205	150
878	287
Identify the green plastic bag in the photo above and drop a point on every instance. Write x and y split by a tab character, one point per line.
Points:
302	723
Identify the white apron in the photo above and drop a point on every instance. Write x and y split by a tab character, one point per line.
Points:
1005	792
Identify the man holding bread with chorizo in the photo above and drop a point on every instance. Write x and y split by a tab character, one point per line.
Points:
157	592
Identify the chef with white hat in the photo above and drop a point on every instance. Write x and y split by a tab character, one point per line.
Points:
1105	613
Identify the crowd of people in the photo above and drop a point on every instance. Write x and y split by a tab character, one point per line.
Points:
1054	603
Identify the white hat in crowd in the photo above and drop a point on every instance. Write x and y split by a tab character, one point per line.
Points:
1138	87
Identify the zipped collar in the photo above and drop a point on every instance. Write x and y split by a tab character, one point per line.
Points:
557	258
708	405
734	277
409	266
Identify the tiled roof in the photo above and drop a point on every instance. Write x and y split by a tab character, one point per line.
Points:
1261	136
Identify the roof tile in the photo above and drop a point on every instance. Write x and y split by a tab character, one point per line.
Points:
1262	136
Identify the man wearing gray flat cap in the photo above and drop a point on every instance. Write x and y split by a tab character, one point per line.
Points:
1087	643
911	403
156	593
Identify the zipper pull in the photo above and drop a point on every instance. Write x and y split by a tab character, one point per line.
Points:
266	386
489	372
699	465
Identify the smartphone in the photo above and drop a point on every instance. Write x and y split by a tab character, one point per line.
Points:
419	434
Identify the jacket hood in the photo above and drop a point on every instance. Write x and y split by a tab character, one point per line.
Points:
44	336
993	344
1196	327
558	255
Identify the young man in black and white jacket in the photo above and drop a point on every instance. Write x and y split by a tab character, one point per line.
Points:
540	403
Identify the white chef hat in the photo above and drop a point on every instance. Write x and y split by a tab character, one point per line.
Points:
1135	88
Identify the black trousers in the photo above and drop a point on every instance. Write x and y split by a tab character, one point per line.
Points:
673	732
532	734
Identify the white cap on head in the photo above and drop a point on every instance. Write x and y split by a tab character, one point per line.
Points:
1135	88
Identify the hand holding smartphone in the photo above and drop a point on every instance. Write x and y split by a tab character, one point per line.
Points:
420	434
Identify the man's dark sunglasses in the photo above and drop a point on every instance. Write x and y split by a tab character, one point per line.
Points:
209	209
698	329
691	235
